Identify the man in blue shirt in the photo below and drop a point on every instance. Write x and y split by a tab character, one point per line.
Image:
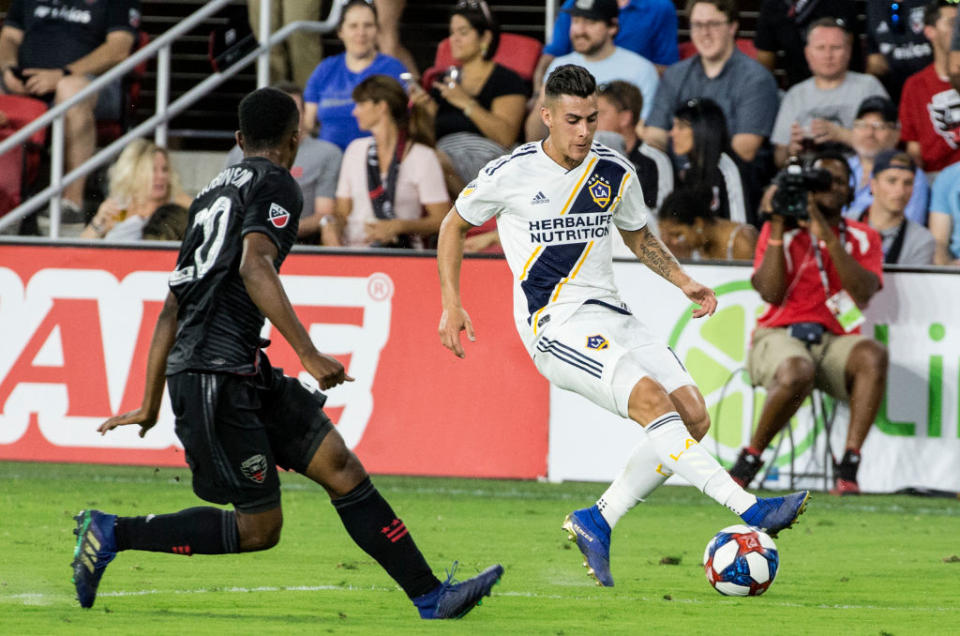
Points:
647	27
593	26
944	219
744	89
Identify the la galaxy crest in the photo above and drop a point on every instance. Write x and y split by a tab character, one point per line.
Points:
599	189
597	343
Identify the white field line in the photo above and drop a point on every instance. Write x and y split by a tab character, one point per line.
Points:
47	599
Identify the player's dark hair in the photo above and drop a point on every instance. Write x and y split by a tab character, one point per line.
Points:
481	19
353	4
570	79
710	137
267	117
408	116
625	96
727	7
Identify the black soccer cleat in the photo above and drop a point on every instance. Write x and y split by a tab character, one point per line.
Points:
454	600
96	548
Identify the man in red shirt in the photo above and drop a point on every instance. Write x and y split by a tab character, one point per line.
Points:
816	273
929	106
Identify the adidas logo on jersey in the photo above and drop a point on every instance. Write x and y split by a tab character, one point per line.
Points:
278	215
539	199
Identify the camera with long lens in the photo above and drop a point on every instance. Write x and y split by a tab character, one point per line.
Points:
794	183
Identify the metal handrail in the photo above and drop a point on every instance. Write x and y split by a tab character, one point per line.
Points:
164	111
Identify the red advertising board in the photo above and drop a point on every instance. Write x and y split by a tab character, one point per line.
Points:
77	323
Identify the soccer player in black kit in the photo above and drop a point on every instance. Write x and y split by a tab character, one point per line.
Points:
237	417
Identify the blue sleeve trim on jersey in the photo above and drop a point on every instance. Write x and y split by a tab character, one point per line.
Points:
506	160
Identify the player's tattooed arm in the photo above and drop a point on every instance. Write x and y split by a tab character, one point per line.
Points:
654	254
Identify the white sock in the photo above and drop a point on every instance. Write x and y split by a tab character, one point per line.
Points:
642	474
682	454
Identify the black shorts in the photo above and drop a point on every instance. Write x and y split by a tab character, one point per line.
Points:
237	429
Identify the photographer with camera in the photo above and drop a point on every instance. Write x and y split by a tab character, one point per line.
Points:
817	271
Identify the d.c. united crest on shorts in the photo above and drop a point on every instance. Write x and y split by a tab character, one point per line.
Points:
599	189
254	468
278	215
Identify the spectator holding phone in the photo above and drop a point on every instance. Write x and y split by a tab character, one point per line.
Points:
817	271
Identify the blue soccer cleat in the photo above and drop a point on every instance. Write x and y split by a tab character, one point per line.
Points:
592	533
96	547
773	514
453	600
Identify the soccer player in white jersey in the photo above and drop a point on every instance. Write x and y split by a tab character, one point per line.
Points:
556	202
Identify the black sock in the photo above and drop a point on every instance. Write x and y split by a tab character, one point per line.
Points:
847	468
201	530
374	527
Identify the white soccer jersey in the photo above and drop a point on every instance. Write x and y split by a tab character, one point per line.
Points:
555	228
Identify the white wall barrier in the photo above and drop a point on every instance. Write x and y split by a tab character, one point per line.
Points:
916	439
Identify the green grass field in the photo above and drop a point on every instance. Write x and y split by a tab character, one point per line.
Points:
868	565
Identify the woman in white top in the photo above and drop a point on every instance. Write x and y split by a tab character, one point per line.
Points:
391	191
140	181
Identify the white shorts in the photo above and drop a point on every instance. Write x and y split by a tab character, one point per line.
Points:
601	354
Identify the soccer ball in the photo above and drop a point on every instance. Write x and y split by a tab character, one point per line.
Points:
741	561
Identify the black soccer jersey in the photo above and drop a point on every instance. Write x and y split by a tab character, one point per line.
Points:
218	325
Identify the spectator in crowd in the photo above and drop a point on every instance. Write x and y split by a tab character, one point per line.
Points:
327	94
296	57
168	223
388	39
896	45
745	90
315	169
810	334
953	58
930	106
619	105
904	242
700	141
823	107
387	180
140	181
876	129
689	230
782	26
592	30
944	221
646	27
478	108
53	54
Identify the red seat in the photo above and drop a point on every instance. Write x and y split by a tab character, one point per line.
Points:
746	46
20	166
518	53
111	129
